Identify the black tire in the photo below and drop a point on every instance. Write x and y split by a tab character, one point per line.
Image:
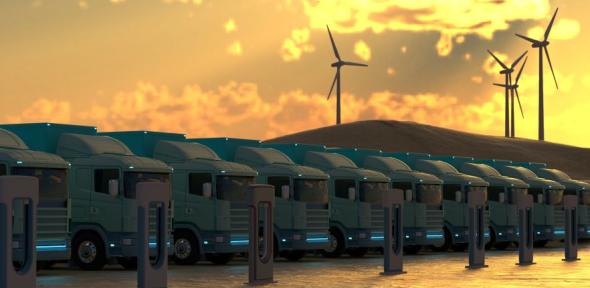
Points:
459	247
412	249
338	244
540	243
446	245
219	258
357	252
294	255
186	248
493	238
502	245
128	263
88	251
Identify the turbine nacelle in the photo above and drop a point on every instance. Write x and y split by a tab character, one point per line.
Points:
539	44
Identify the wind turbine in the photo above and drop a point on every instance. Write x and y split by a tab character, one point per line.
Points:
542	45
338	64
514	90
507	71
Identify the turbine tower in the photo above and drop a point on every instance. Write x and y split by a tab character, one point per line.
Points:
338	64
507	72
514	90
542	45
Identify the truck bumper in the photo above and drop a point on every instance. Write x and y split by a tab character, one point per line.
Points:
225	242
548	233
47	250
303	240
461	235
126	246
362	238
506	233
423	237
584	231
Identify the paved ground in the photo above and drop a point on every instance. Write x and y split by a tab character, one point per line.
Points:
427	270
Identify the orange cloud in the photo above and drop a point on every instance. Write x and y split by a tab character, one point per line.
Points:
362	50
482	18
238	110
296	45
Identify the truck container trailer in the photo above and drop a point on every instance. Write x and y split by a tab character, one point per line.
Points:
456	189
423	213
16	158
548	214
102	182
209	195
572	187
502	195
356	213
301	194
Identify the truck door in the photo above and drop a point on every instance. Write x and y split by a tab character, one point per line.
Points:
283	216
106	209
200	202
344	208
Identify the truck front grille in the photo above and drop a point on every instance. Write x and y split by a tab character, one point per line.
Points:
317	218
377	217
239	218
52	223
434	219
558	217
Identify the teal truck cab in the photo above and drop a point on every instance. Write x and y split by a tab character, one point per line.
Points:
356	213
502	195
209	195
52	211
422	213
456	189
572	187
548	214
102	182
301	194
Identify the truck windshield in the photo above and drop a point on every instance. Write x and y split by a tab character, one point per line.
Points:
233	188
514	192
311	191
554	196
53	184
132	178
585	198
472	189
429	194
372	191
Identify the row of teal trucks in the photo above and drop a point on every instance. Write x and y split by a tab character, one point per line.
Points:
327	199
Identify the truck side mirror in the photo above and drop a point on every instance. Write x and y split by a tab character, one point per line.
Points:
409	195
458	196
540	198
285	191
501	197
207	190
114	187
351	193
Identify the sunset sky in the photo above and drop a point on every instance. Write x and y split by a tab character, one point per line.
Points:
259	69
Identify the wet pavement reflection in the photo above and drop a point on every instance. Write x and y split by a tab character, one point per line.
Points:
425	270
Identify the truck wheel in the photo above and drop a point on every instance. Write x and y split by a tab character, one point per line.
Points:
129	263
294	256
459	247
412	249
336	245
88	251
357	252
186	248
219	258
501	245
493	238
540	244
446	245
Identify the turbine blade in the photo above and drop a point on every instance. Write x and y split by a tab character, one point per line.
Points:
520	71
501	85
551	66
498	60
333	83
333	44
528	39
354	64
550	24
518	60
519	105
